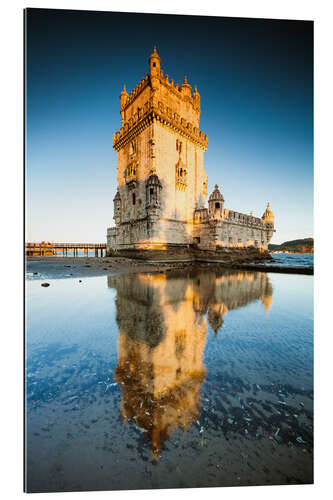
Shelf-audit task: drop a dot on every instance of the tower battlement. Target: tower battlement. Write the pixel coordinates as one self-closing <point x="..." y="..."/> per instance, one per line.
<point x="157" y="97"/>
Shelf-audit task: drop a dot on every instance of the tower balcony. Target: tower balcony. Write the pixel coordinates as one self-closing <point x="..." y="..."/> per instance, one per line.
<point x="131" y="173"/>
<point x="131" y="179"/>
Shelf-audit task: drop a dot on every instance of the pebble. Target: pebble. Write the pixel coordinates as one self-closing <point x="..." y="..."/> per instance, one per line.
<point x="45" y="284"/>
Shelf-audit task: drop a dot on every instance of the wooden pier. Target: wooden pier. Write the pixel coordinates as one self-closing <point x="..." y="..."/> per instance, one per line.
<point x="48" y="249"/>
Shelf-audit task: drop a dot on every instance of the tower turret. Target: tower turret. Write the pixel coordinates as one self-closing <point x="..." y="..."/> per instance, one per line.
<point x="268" y="215"/>
<point x="268" y="220"/>
<point x="196" y="99"/>
<point x="154" y="187"/>
<point x="186" y="88"/>
<point x="117" y="208"/>
<point x="216" y="203"/>
<point x="123" y="100"/>
<point x="154" y="68"/>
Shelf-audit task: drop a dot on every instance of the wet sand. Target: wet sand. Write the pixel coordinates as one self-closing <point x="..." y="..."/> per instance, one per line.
<point x="80" y="267"/>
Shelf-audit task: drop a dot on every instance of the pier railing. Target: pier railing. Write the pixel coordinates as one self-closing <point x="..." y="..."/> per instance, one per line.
<point x="44" y="248"/>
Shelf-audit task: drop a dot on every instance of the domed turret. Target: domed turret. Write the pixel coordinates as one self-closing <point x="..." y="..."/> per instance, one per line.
<point x="153" y="180"/>
<point x="216" y="203"/>
<point x="153" y="187"/>
<point x="268" y="215"/>
<point x="196" y="99"/>
<point x="186" y="88"/>
<point x="123" y="97"/>
<point x="216" y="195"/>
<point x="123" y="100"/>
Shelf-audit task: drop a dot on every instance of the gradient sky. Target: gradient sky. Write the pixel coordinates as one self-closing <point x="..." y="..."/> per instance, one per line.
<point x="255" y="78"/>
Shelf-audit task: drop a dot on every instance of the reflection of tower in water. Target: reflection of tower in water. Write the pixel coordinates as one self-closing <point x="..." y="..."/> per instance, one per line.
<point x="162" y="334"/>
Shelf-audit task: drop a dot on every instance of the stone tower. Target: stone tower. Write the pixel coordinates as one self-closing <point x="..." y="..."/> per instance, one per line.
<point x="160" y="163"/>
<point x="162" y="186"/>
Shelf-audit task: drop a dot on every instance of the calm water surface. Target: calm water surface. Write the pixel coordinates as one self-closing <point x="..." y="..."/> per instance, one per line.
<point x="292" y="259"/>
<point x="169" y="380"/>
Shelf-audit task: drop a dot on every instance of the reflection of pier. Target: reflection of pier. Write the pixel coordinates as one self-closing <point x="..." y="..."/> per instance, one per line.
<point x="163" y="322"/>
<point x="46" y="248"/>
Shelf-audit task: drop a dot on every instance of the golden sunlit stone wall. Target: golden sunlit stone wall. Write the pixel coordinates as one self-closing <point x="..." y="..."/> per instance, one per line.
<point x="179" y="204"/>
<point x="162" y="185"/>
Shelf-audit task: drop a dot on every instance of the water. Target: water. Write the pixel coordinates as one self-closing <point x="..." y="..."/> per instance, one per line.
<point x="292" y="259"/>
<point x="169" y="380"/>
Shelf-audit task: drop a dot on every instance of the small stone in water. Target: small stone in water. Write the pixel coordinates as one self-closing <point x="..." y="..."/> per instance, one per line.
<point x="45" y="284"/>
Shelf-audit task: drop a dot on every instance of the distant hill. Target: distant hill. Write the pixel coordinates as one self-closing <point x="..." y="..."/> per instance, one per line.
<point x="297" y="246"/>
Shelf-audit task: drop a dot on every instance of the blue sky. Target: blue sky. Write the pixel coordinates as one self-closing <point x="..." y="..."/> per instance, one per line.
<point x="255" y="78"/>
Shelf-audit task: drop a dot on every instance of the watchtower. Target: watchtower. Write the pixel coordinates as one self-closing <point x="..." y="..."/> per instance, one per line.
<point x="159" y="136"/>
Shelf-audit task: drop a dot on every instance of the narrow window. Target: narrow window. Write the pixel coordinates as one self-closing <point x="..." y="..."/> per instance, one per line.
<point x="133" y="198"/>
<point x="154" y="64"/>
<point x="217" y="205"/>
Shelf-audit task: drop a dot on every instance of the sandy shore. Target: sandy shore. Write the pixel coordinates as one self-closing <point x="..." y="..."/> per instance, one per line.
<point x="79" y="267"/>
